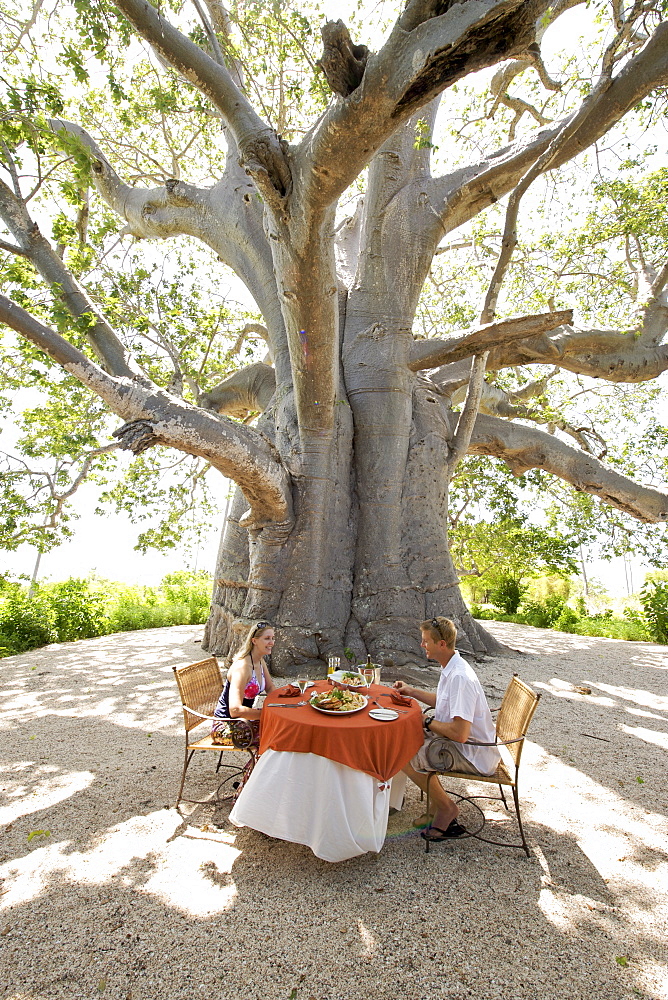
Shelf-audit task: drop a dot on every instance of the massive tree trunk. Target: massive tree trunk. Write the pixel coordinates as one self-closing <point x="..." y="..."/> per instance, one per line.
<point x="338" y="529"/>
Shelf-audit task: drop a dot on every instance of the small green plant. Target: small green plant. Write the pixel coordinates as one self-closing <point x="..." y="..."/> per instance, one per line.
<point x="25" y="624"/>
<point x="508" y="595"/>
<point x="77" y="612"/>
<point x="654" y="601"/>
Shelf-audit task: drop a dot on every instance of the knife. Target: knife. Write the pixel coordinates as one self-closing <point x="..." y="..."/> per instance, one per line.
<point x="273" y="704"/>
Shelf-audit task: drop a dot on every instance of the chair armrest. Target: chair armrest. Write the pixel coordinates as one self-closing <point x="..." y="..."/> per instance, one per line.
<point x="497" y="743"/>
<point x="206" y="718"/>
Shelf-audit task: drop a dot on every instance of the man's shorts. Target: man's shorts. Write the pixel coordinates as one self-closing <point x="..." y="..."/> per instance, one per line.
<point x="441" y="754"/>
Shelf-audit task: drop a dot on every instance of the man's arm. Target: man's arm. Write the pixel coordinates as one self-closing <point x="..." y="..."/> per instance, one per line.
<point x="426" y="697"/>
<point x="458" y="730"/>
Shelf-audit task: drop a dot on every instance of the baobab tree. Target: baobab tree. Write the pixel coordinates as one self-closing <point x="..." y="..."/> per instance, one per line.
<point x="338" y="530"/>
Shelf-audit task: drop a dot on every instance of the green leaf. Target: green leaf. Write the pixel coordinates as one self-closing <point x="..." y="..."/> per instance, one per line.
<point x="38" y="833"/>
<point x="622" y="960"/>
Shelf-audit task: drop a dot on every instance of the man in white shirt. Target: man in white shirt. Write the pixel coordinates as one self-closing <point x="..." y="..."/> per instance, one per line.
<point x="462" y="714"/>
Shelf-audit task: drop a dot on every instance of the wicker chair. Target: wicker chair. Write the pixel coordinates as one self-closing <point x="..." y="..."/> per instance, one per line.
<point x="512" y="722"/>
<point x="200" y="685"/>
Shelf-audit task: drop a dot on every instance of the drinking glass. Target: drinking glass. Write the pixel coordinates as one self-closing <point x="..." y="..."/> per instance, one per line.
<point x="301" y="683"/>
<point x="369" y="674"/>
<point x="333" y="664"/>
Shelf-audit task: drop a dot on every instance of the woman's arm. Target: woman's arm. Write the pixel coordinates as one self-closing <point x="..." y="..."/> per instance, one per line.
<point x="238" y="676"/>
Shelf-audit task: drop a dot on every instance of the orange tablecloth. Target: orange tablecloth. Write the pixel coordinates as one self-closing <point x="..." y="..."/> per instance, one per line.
<point x="378" y="748"/>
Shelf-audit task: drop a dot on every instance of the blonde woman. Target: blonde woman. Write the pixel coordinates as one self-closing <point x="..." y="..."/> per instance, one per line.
<point x="247" y="677"/>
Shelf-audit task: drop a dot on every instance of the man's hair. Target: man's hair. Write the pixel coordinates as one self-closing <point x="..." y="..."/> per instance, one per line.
<point x="440" y="628"/>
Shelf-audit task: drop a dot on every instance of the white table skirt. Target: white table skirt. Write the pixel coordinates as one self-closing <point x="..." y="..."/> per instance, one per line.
<point x="336" y="811"/>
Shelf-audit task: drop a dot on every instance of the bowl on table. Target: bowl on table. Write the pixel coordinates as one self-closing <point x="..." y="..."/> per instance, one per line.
<point x="348" y="680"/>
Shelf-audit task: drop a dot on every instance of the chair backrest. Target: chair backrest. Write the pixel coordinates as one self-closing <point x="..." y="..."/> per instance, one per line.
<point x="200" y="685"/>
<point x="516" y="712"/>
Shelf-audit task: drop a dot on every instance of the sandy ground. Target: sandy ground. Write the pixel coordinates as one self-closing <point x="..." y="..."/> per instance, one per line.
<point x="107" y="891"/>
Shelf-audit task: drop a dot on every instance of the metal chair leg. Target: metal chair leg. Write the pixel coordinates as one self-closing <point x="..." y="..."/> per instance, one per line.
<point x="186" y="762"/>
<point x="519" y="820"/>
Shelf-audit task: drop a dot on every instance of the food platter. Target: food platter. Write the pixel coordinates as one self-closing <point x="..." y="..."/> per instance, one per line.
<point x="360" y="701"/>
<point x="338" y="678"/>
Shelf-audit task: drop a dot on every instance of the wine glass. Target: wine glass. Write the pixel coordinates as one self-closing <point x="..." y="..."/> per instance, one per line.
<point x="302" y="684"/>
<point x="368" y="673"/>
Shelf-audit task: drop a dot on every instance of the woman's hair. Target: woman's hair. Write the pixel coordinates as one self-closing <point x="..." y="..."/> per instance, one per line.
<point x="247" y="645"/>
<point x="440" y="628"/>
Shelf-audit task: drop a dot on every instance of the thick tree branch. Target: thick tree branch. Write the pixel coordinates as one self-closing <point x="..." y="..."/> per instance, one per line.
<point x="46" y="261"/>
<point x="246" y="391"/>
<point x="342" y="62"/>
<point x="227" y="217"/>
<point x="523" y="448"/>
<point x="459" y="196"/>
<point x="414" y="66"/>
<point x="261" y="150"/>
<point x="237" y="451"/>
<point x="510" y="405"/>
<point x="607" y="354"/>
<point x="654" y="311"/>
<point x="467" y="418"/>
<point x="156" y="213"/>
<point x="433" y="353"/>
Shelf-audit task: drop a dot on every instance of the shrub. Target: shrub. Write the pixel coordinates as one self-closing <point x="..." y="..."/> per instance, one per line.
<point x="566" y="620"/>
<point x="25" y="623"/>
<point x="544" y="614"/>
<point x="77" y="613"/>
<point x="189" y="589"/>
<point x="508" y="595"/>
<point x="654" y="600"/>
<point x="80" y="609"/>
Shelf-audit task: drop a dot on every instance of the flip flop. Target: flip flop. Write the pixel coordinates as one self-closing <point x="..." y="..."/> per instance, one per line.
<point x="455" y="829"/>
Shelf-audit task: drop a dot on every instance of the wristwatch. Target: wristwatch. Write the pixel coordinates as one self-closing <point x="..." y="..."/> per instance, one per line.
<point x="428" y="723"/>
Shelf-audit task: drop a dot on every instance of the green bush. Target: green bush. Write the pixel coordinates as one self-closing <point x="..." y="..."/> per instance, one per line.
<point x="544" y="614"/>
<point x="654" y="600"/>
<point x="612" y="628"/>
<point x="553" y="613"/>
<point x="191" y="589"/>
<point x="81" y="609"/>
<point x="77" y="612"/>
<point x="25" y="624"/>
<point x="508" y="595"/>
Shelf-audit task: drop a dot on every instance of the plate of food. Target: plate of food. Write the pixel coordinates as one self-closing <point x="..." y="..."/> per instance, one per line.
<point x="347" y="679"/>
<point x="338" y="702"/>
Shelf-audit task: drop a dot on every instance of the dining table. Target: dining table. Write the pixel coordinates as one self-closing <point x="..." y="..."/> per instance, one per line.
<point x="326" y="780"/>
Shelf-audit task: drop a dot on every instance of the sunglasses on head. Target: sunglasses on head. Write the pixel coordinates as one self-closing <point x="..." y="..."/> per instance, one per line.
<point x="262" y="625"/>
<point x="437" y="625"/>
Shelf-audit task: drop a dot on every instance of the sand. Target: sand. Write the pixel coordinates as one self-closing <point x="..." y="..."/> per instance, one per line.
<point x="108" y="892"/>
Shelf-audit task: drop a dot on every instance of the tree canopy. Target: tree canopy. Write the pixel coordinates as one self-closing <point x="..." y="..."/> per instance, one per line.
<point x="450" y="236"/>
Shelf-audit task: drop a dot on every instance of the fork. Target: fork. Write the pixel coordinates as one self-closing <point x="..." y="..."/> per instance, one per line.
<point x="296" y="704"/>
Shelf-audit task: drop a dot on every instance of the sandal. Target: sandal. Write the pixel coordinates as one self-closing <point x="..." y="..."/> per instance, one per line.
<point x="455" y="829"/>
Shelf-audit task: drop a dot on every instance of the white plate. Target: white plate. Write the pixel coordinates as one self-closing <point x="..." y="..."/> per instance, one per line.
<point x="383" y="714"/>
<point x="348" y="711"/>
<point x="338" y="677"/>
